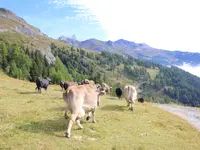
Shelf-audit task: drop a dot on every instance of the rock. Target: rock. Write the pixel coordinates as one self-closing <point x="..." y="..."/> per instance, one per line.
<point x="49" y="56"/>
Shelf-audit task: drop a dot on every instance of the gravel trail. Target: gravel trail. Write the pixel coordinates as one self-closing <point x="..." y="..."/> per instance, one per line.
<point x="192" y="115"/>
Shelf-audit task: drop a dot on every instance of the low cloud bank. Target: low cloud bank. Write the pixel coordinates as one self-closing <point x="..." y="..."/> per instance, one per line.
<point x="195" y="70"/>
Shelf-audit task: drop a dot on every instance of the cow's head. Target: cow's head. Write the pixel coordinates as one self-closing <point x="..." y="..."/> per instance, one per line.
<point x="48" y="79"/>
<point x="100" y="92"/>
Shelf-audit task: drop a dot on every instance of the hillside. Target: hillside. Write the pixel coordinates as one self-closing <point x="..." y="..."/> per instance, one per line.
<point x="36" y="121"/>
<point x="63" y="62"/>
<point x="137" y="50"/>
<point x="16" y="30"/>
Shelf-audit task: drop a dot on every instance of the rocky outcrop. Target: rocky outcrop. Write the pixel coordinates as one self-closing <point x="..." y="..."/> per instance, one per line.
<point x="26" y="30"/>
<point x="18" y="24"/>
<point x="49" y="56"/>
<point x="5" y="13"/>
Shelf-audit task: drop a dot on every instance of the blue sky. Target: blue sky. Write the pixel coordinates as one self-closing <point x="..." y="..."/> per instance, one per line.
<point x="164" y="24"/>
<point x="55" y="21"/>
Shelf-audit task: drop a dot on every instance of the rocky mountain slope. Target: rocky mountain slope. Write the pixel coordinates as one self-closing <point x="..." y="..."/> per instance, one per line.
<point x="16" y="30"/>
<point x="21" y="46"/>
<point x="137" y="50"/>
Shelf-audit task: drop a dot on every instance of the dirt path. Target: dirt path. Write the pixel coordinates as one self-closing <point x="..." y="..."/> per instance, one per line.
<point x="192" y="115"/>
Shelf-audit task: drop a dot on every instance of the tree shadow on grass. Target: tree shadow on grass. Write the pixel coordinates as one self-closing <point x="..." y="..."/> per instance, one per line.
<point x="114" y="107"/>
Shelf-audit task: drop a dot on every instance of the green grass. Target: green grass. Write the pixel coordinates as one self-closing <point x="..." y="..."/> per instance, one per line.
<point x="153" y="72"/>
<point x="36" y="121"/>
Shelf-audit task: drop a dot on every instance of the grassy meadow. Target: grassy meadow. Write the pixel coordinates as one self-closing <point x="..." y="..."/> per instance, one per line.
<point x="30" y="121"/>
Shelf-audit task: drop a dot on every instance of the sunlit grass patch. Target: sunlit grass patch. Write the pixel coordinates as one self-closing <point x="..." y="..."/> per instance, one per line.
<point x="29" y="120"/>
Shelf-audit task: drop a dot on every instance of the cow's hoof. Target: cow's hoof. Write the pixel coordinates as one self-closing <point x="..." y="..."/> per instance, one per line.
<point x="88" y="118"/>
<point x="131" y="109"/>
<point x="94" y="121"/>
<point x="67" y="135"/>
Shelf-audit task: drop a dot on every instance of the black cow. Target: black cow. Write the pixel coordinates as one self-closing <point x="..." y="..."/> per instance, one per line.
<point x="118" y="92"/>
<point x="42" y="83"/>
<point x="62" y="84"/>
<point x="141" y="100"/>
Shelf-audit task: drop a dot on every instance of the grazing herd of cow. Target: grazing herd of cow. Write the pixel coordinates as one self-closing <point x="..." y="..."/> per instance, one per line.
<point x="84" y="98"/>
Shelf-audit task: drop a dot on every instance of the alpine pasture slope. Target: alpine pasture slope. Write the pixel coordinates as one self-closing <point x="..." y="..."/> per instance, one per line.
<point x="29" y="120"/>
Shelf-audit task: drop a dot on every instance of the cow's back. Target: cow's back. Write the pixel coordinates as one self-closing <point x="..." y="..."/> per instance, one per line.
<point x="130" y="92"/>
<point x="81" y="96"/>
<point x="74" y="100"/>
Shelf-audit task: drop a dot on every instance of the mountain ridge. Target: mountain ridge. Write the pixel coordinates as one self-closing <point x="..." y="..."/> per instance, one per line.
<point x="137" y="50"/>
<point x="159" y="83"/>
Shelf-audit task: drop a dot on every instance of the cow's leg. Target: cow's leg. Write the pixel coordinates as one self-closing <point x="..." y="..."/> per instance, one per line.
<point x="128" y="103"/>
<point x="45" y="89"/>
<point x="93" y="116"/>
<point x="132" y="105"/>
<point x="66" y="110"/>
<point x="80" y="115"/>
<point x="69" y="126"/>
<point x="65" y="115"/>
<point x="79" y="123"/>
<point x="39" y="90"/>
<point x="88" y="117"/>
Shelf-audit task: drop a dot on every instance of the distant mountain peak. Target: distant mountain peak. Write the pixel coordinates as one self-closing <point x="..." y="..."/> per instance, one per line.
<point x="122" y="40"/>
<point x="4" y="10"/>
<point x="138" y="50"/>
<point x="62" y="37"/>
<point x="74" y="37"/>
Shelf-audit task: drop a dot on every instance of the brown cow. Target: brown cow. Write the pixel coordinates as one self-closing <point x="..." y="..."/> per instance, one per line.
<point x="81" y="99"/>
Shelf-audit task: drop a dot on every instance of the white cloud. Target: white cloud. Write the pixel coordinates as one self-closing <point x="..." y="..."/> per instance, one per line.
<point x="192" y="69"/>
<point x="166" y="24"/>
<point x="58" y="3"/>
